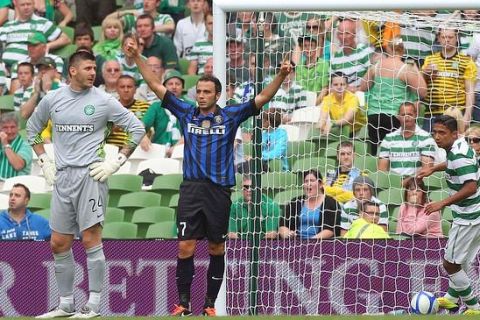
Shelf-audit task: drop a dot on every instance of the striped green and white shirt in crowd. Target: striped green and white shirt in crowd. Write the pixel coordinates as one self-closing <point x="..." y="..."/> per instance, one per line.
<point x="201" y="51"/>
<point x="350" y="213"/>
<point x="3" y="79"/>
<point x="15" y="34"/>
<point x="58" y="61"/>
<point x="18" y="96"/>
<point x="405" y="154"/>
<point x="131" y="70"/>
<point x="244" y="92"/>
<point x="354" y="65"/>
<point x="417" y="41"/>
<point x="462" y="167"/>
<point x="24" y="150"/>
<point x="159" y="20"/>
<point x="289" y="98"/>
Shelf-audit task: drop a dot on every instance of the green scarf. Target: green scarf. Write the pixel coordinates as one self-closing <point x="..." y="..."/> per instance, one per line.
<point x="108" y="48"/>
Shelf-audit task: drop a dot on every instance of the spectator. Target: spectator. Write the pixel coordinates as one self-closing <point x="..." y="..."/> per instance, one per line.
<point x="202" y="49"/>
<point x="164" y="24"/>
<point x="313" y="215"/>
<point x="25" y="74"/>
<point x="93" y="12"/>
<point x="390" y="83"/>
<point x="340" y="109"/>
<point x="236" y="64"/>
<point x="409" y="148"/>
<point x="144" y="92"/>
<point x="451" y="79"/>
<point x="154" y="44"/>
<point x="338" y="184"/>
<point x="242" y="221"/>
<point x="366" y="226"/>
<point x="16" y="158"/>
<point x="46" y="80"/>
<point x="37" y="50"/>
<point x="127" y="64"/>
<point x="468" y="32"/>
<point x="472" y="135"/>
<point x="455" y="113"/>
<point x="351" y="58"/>
<point x="207" y="70"/>
<point x="126" y="92"/>
<point x="4" y="6"/>
<point x="110" y="39"/>
<point x="46" y="9"/>
<point x="316" y="28"/>
<point x="312" y="73"/>
<point x="291" y="96"/>
<point x="165" y="126"/>
<point x="15" y="33"/>
<point x="111" y="71"/>
<point x="18" y="222"/>
<point x="363" y="190"/>
<point x="274" y="139"/>
<point x="190" y="29"/>
<point x="412" y="219"/>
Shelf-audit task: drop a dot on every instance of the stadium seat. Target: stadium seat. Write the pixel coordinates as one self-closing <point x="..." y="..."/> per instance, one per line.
<point x="97" y="32"/>
<point x="183" y="66"/>
<point x="144" y="217"/>
<point x="4" y="201"/>
<point x="44" y="213"/>
<point x="320" y="164"/>
<point x="177" y="152"/>
<point x="65" y="52"/>
<point x="174" y="201"/>
<point x="136" y="200"/>
<point x="120" y="184"/>
<point x="162" y="230"/>
<point x="34" y="183"/>
<point x="366" y="163"/>
<point x="278" y="180"/>
<point x="69" y="31"/>
<point x="385" y="180"/>
<point x="161" y="166"/>
<point x="6" y="103"/>
<point x="114" y="215"/>
<point x="167" y="185"/>
<point x="391" y="197"/>
<point x="284" y="197"/>
<point x="446" y="225"/>
<point x="119" y="230"/>
<point x="39" y="201"/>
<point x="310" y="115"/>
<point x="190" y="81"/>
<point x="435" y="181"/>
<point x="447" y="214"/>
<point x="300" y="150"/>
<point x="437" y="195"/>
<point x="393" y="219"/>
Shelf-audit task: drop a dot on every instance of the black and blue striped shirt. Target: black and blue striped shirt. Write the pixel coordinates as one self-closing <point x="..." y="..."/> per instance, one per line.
<point x="209" y="139"/>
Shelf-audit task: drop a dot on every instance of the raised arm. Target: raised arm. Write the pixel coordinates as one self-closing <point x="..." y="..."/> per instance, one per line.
<point x="130" y="49"/>
<point x="269" y="91"/>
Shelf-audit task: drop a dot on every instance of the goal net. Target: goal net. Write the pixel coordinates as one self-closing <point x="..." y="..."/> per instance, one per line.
<point x="336" y="114"/>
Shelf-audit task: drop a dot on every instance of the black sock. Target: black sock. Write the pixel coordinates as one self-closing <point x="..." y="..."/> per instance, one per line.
<point x="214" y="279"/>
<point x="185" y="273"/>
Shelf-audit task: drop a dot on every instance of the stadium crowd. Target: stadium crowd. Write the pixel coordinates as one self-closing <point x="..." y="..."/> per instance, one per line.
<point x="360" y="83"/>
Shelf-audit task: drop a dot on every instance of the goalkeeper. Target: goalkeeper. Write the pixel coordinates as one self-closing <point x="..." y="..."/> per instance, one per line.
<point x="81" y="115"/>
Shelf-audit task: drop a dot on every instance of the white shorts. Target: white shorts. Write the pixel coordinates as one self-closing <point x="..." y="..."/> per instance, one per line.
<point x="78" y="201"/>
<point x="463" y="243"/>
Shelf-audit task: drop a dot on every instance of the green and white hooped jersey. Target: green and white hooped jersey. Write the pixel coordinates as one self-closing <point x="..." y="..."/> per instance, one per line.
<point x="201" y="51"/>
<point x="354" y="65"/>
<point x="15" y="34"/>
<point x="462" y="166"/>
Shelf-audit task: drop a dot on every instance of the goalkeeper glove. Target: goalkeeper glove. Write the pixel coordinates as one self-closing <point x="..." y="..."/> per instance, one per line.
<point x="48" y="168"/>
<point x="100" y="171"/>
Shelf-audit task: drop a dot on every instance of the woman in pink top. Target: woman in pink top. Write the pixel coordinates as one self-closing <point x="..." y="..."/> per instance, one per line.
<point x="412" y="219"/>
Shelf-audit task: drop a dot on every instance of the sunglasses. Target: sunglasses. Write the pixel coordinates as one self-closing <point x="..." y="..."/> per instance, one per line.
<point x="247" y="187"/>
<point x="473" y="140"/>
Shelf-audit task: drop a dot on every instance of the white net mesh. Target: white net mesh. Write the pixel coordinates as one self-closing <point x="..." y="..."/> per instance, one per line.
<point x="353" y="72"/>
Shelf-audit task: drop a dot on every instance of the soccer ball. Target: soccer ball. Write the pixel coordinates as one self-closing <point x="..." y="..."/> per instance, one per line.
<point x="424" y="302"/>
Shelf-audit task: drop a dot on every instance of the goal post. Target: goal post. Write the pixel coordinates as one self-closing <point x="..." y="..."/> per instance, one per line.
<point x="292" y="276"/>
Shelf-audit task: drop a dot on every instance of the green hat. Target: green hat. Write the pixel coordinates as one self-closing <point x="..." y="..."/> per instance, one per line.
<point x="173" y="74"/>
<point x="36" y="38"/>
<point x="46" y="61"/>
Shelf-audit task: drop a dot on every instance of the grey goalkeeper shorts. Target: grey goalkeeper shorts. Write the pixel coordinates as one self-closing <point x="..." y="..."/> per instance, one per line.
<point x="78" y="201"/>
